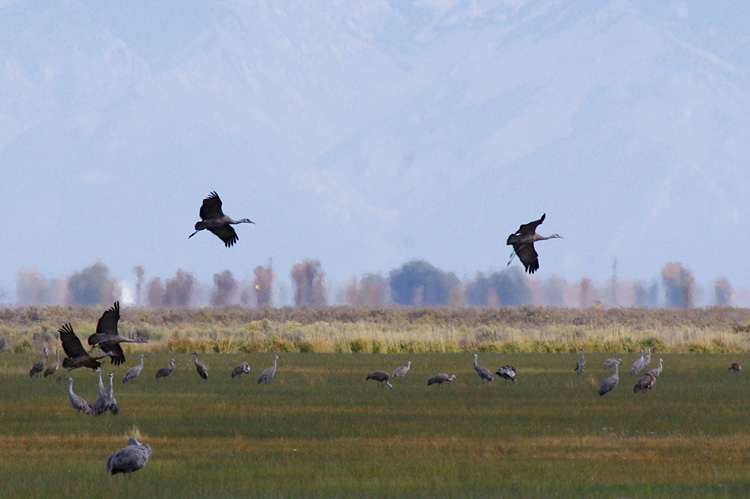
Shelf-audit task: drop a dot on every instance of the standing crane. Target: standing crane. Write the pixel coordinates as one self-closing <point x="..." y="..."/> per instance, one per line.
<point x="240" y="369"/>
<point x="38" y="366"/>
<point x="646" y="382"/>
<point x="166" y="370"/>
<point x="213" y="219"/>
<point x="52" y="368"/>
<point x="656" y="371"/>
<point x="106" y="401"/>
<point x="507" y="372"/>
<point x="483" y="372"/>
<point x="610" y="362"/>
<point x="638" y="365"/>
<point x="523" y="244"/>
<point x="134" y="371"/>
<point x="610" y="383"/>
<point x="78" y="403"/>
<point x="440" y="379"/>
<point x="735" y="366"/>
<point x="268" y="372"/>
<point x="581" y="363"/>
<point x="381" y="377"/>
<point x="107" y="337"/>
<point x="401" y="370"/>
<point x="77" y="355"/>
<point x="647" y="359"/>
<point x="200" y="367"/>
<point x="130" y="458"/>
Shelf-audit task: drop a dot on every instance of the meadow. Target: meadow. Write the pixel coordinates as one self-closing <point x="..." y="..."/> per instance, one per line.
<point x="320" y="430"/>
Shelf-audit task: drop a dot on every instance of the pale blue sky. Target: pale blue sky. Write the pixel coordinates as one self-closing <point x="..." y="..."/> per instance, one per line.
<point x="369" y="133"/>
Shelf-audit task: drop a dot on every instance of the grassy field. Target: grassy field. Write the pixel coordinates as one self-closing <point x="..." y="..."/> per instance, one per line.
<point x="320" y="429"/>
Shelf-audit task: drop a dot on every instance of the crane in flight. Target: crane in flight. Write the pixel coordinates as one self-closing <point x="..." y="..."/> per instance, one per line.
<point x="523" y="244"/>
<point x="213" y="219"/>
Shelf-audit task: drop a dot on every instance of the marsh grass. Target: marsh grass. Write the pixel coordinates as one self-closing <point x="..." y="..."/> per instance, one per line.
<point x="320" y="430"/>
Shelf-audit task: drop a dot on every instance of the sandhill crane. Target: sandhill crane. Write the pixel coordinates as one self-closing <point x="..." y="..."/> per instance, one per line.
<point x="507" y="372"/>
<point x="38" y="366"/>
<point x="240" y="369"/>
<point x="483" y="372"/>
<point x="523" y="244"/>
<point x="77" y="356"/>
<point x="638" y="365"/>
<point x="213" y="219"/>
<point x="381" y="377"/>
<point x="107" y="337"/>
<point x="610" y="362"/>
<point x="581" y="363"/>
<point x="440" y="379"/>
<point x="736" y="367"/>
<point x="401" y="370"/>
<point x="134" y="371"/>
<point x="656" y="371"/>
<point x="130" y="458"/>
<point x="610" y="383"/>
<point x="268" y="372"/>
<point x="647" y="359"/>
<point x="52" y="368"/>
<point x="78" y="403"/>
<point x="200" y="367"/>
<point x="166" y="370"/>
<point x="106" y="400"/>
<point x="646" y="382"/>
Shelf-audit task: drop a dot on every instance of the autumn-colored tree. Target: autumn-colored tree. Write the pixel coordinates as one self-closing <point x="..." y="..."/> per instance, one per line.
<point x="92" y="286"/>
<point x="263" y="285"/>
<point x="155" y="293"/>
<point x="369" y="291"/>
<point x="679" y="285"/>
<point x="179" y="289"/>
<point x="723" y="292"/>
<point x="139" y="272"/>
<point x="584" y="292"/>
<point x="225" y="287"/>
<point x="31" y="288"/>
<point x="309" y="284"/>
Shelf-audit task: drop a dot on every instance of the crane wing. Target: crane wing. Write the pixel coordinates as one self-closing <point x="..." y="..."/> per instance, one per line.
<point x="530" y="228"/>
<point x="528" y="256"/>
<point x="115" y="352"/>
<point x="211" y="207"/>
<point x="70" y="342"/>
<point x="226" y="233"/>
<point x="107" y="325"/>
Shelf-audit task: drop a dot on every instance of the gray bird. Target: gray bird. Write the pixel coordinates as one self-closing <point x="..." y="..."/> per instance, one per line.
<point x="134" y="371"/>
<point x="483" y="372"/>
<point x="507" y="372"/>
<point x="268" y="372"/>
<point x="106" y="402"/>
<point x="656" y="371"/>
<point x="610" y="383"/>
<point x="213" y="219"/>
<point x="108" y="339"/>
<point x="638" y="365"/>
<point x="440" y="379"/>
<point x="52" y="368"/>
<point x="78" y="403"/>
<point x="38" y="366"/>
<point x="130" y="458"/>
<point x="401" y="370"/>
<point x="77" y="355"/>
<point x="610" y="363"/>
<point x="523" y="244"/>
<point x="381" y="377"/>
<point x="166" y="370"/>
<point x="647" y="360"/>
<point x="240" y="369"/>
<point x="581" y="363"/>
<point x="200" y="367"/>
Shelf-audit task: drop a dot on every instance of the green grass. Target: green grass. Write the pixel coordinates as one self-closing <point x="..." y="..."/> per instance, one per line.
<point x="319" y="429"/>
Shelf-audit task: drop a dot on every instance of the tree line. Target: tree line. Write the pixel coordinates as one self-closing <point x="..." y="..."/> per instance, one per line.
<point x="415" y="283"/>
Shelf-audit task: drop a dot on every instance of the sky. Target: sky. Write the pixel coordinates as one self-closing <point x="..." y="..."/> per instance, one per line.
<point x="369" y="133"/>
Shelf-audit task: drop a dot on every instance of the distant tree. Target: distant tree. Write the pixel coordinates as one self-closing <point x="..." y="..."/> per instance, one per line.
<point x="504" y="288"/>
<point x="679" y="285"/>
<point x="723" y="292"/>
<point x="92" y="286"/>
<point x="309" y="284"/>
<point x="419" y="283"/>
<point x="139" y="272"/>
<point x="179" y="289"/>
<point x="263" y="285"/>
<point x="369" y="291"/>
<point x="646" y="295"/>
<point x="31" y="288"/>
<point x="155" y="293"/>
<point x="225" y="287"/>
<point x="584" y="292"/>
<point x="554" y="291"/>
